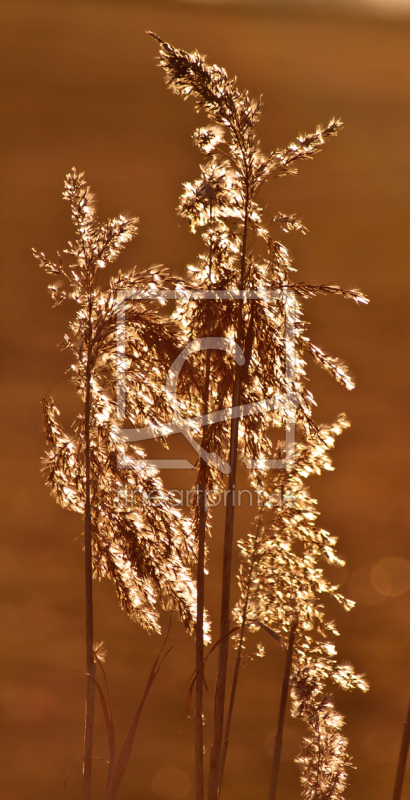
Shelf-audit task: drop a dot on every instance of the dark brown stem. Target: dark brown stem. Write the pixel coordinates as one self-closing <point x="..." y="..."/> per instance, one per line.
<point x="200" y="579"/>
<point x="401" y="766"/>
<point x="199" y="729"/>
<point x="90" y="661"/>
<point x="238" y="661"/>
<point x="230" y="710"/>
<point x="216" y="748"/>
<point x="281" y="718"/>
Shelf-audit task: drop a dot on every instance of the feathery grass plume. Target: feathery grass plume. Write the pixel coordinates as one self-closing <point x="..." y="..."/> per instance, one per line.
<point x="145" y="549"/>
<point x="281" y="582"/>
<point x="252" y="319"/>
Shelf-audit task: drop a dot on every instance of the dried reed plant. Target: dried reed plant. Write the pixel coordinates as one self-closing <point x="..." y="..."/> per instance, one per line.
<point x="240" y="320"/>
<point x="281" y="582"/>
<point x="262" y="376"/>
<point x="146" y="550"/>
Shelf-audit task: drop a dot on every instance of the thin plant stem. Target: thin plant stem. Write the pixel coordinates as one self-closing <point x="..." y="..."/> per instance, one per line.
<point x="216" y="748"/>
<point x="200" y="581"/>
<point x="401" y="765"/>
<point x="89" y="617"/>
<point x="282" y="708"/>
<point x="199" y="732"/>
<point x="230" y="710"/>
<point x="126" y="751"/>
<point x="238" y="662"/>
<point x="200" y="577"/>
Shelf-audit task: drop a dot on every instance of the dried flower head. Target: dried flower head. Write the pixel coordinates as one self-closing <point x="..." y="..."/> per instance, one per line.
<point x="281" y="580"/>
<point x="147" y="549"/>
<point x="223" y="202"/>
<point x="256" y="309"/>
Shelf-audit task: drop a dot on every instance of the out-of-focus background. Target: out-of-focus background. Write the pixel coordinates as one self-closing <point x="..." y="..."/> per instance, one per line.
<point x="80" y="87"/>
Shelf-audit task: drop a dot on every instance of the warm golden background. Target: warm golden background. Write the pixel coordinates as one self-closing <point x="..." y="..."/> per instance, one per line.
<point x="80" y="87"/>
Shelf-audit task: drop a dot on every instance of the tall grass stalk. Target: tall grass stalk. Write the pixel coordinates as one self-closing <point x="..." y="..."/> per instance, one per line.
<point x="247" y="342"/>
<point x="146" y="550"/>
<point x="88" y="570"/>
<point x="202" y="485"/>
<point x="223" y="203"/>
<point x="216" y="748"/>
<point x="287" y="584"/>
<point x="200" y="578"/>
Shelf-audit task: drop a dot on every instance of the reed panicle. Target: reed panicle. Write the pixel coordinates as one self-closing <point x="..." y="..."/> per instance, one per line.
<point x="239" y="324"/>
<point x="254" y="313"/>
<point x="281" y="582"/>
<point x="146" y="550"/>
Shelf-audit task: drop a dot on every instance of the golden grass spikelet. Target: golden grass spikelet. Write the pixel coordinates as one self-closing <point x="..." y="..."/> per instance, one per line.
<point x="147" y="550"/>
<point x="261" y="312"/>
<point x="223" y="202"/>
<point x="281" y="580"/>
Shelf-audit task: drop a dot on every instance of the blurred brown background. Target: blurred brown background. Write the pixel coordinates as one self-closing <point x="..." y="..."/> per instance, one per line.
<point x="80" y="87"/>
